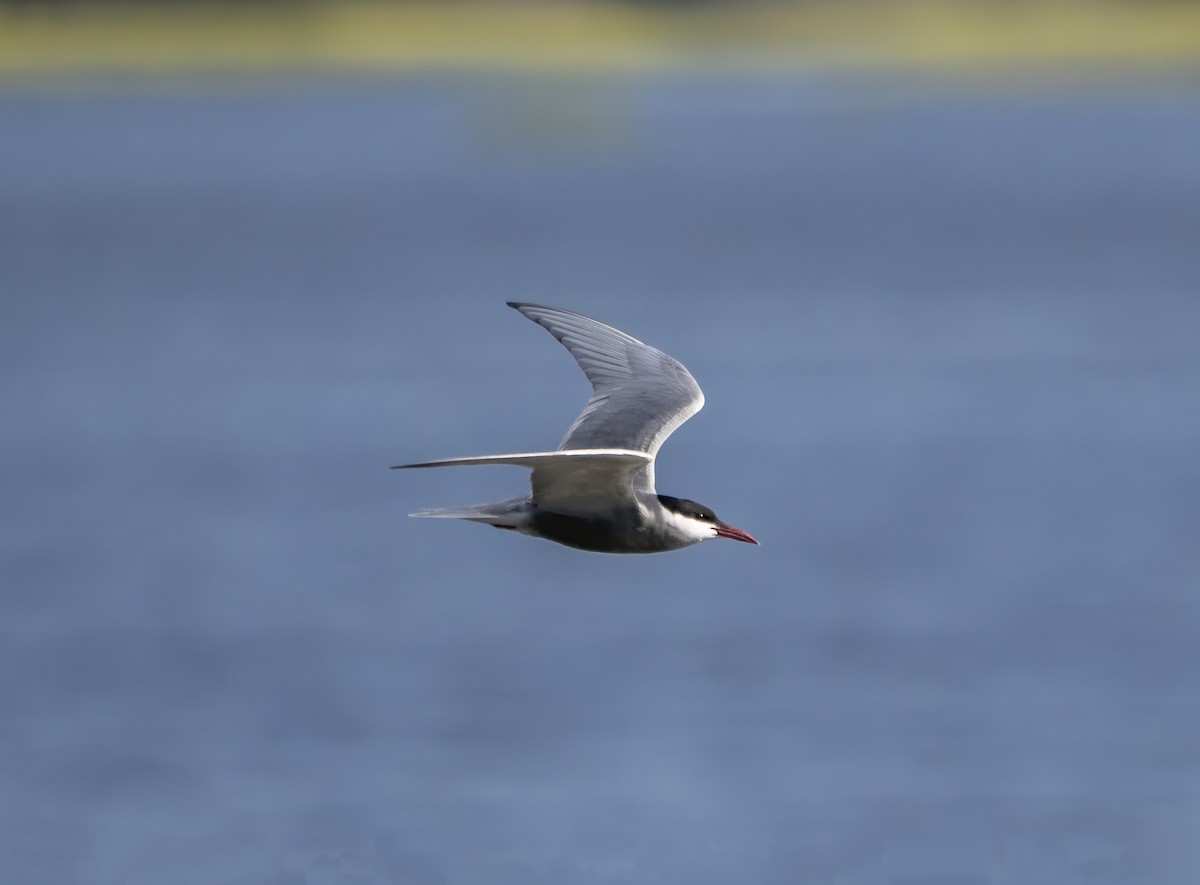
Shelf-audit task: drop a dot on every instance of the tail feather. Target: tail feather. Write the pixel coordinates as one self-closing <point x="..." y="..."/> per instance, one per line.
<point x="507" y="514"/>
<point x="482" y="512"/>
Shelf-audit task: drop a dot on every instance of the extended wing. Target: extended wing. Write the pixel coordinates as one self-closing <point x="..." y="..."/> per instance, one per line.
<point x="584" y="480"/>
<point x="639" y="394"/>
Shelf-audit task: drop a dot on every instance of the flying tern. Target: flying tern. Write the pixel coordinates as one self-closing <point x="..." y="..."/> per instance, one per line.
<point x="596" y="492"/>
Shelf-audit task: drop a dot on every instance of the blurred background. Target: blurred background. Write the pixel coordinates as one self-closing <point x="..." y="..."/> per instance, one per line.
<point x="935" y="265"/>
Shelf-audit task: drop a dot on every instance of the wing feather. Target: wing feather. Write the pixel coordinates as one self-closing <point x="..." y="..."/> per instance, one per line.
<point x="640" y="395"/>
<point x="585" y="480"/>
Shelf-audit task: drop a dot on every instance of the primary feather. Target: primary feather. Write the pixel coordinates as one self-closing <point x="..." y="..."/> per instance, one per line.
<point x="640" y="395"/>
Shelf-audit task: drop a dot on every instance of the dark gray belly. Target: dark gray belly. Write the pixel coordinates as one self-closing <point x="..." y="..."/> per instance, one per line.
<point x="623" y="532"/>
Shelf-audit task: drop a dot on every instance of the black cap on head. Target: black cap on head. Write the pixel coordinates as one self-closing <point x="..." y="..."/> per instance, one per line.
<point x="684" y="507"/>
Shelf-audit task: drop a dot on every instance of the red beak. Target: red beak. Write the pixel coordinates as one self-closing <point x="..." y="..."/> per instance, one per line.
<point x="728" y="531"/>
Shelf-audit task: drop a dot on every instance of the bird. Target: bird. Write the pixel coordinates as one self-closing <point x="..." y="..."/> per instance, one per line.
<point x="596" y="491"/>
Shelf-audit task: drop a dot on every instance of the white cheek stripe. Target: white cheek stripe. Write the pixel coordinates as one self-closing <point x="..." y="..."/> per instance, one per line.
<point x="692" y="528"/>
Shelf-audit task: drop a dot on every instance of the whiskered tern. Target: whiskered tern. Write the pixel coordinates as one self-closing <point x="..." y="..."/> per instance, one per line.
<point x="596" y="492"/>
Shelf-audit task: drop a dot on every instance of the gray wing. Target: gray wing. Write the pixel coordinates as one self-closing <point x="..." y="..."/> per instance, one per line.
<point x="640" y="395"/>
<point x="595" y="480"/>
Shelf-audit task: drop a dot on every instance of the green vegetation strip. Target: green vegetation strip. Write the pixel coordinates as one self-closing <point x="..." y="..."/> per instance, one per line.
<point x="567" y="36"/>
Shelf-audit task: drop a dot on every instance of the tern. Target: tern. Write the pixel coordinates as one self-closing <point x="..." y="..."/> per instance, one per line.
<point x="596" y="492"/>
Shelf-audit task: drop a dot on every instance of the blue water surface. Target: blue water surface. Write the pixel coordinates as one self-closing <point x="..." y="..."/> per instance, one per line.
<point x="949" y="340"/>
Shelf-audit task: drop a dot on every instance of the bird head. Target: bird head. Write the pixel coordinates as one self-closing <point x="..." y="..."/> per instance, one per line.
<point x="700" y="521"/>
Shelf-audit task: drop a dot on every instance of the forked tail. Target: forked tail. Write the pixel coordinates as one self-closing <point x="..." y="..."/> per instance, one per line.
<point x="510" y="514"/>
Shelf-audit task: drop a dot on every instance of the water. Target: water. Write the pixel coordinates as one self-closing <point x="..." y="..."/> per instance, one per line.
<point x="948" y="339"/>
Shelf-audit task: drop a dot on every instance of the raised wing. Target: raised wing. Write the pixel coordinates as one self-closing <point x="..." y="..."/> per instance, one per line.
<point x="587" y="480"/>
<point x="640" y="395"/>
